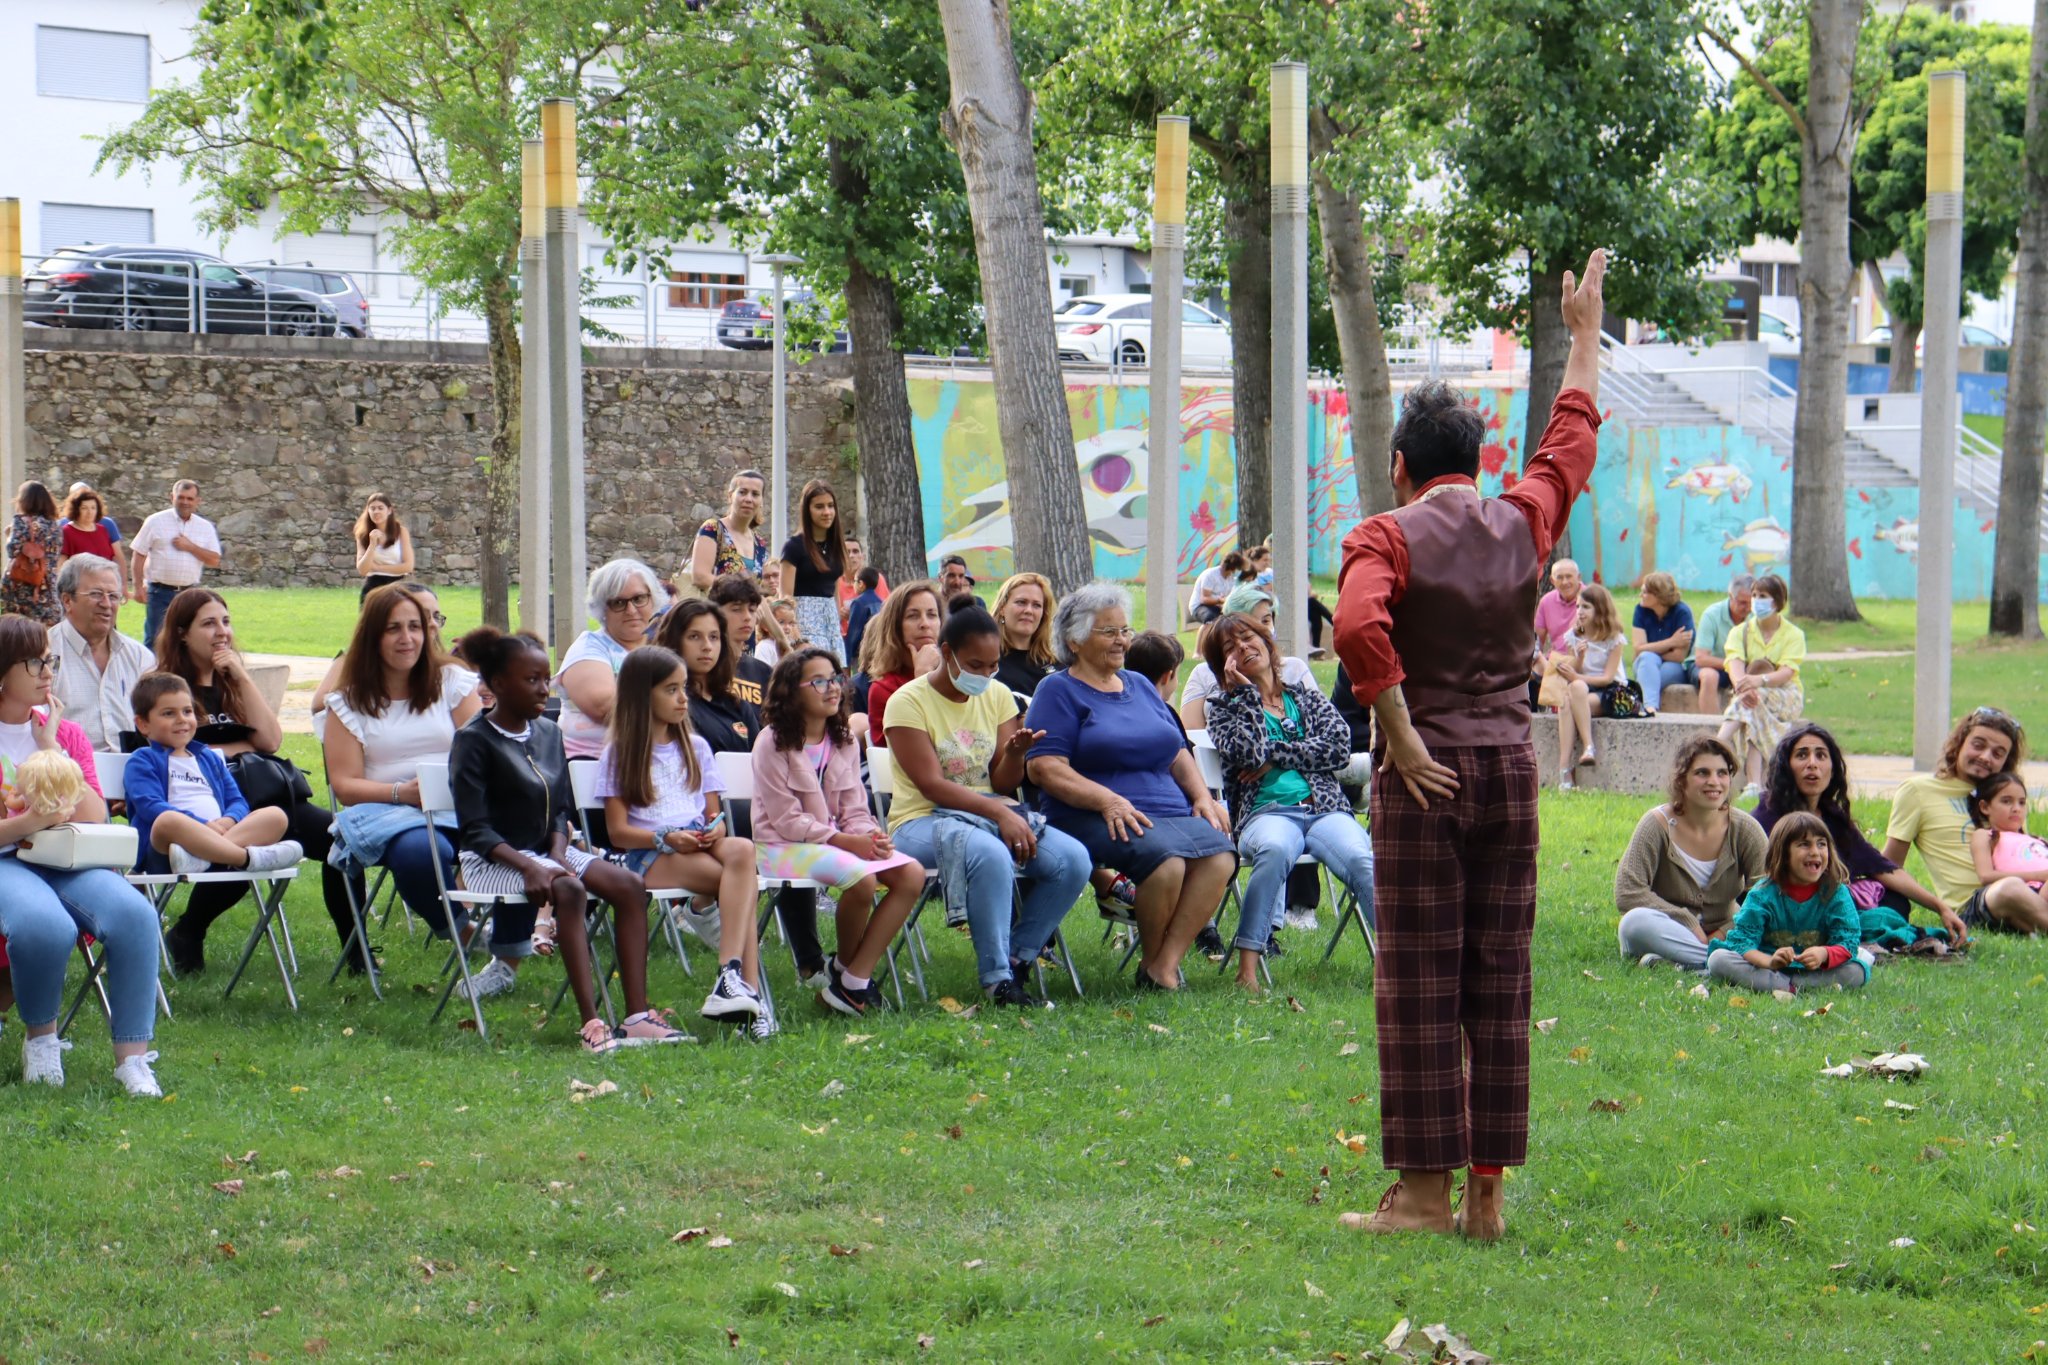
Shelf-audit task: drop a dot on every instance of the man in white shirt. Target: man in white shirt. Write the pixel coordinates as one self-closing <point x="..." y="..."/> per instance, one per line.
<point x="172" y="551"/>
<point x="97" y="666"/>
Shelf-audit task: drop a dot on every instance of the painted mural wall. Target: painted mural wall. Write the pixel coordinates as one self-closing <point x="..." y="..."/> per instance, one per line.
<point x="1702" y="503"/>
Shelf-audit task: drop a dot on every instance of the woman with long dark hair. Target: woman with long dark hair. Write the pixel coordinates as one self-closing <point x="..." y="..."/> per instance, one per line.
<point x="813" y="560"/>
<point x="383" y="545"/>
<point x="1808" y="772"/>
<point x="35" y="542"/>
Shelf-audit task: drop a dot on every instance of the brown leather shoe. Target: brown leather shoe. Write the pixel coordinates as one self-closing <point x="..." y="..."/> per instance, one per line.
<point x="1407" y="1206"/>
<point x="1479" y="1215"/>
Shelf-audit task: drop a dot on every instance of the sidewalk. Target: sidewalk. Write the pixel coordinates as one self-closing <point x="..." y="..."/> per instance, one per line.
<point x="1880" y="774"/>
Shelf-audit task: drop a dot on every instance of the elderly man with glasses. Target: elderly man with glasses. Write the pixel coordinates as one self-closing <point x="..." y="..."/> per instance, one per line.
<point x="98" y="666"/>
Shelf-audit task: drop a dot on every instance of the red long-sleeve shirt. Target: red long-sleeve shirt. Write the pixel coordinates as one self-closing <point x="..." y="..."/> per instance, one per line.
<point x="1375" y="572"/>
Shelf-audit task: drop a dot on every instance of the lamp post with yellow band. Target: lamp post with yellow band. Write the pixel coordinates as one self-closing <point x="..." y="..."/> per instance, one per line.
<point x="1290" y="355"/>
<point x="535" y="478"/>
<point x="564" y="367"/>
<point x="1163" y="426"/>
<point x="13" y="412"/>
<point x="1942" y="272"/>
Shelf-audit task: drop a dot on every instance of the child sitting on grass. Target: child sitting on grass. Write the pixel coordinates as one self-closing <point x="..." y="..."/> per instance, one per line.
<point x="187" y="809"/>
<point x="1798" y="929"/>
<point x="1999" y="842"/>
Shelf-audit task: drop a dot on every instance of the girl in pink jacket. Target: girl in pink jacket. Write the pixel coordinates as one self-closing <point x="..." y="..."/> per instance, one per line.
<point x="811" y="821"/>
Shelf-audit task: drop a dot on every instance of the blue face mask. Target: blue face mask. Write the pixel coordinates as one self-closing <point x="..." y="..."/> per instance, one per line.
<point x="1762" y="608"/>
<point x="970" y="684"/>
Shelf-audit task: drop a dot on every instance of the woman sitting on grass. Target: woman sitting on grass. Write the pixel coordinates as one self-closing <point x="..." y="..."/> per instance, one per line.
<point x="663" y="808"/>
<point x="1689" y="863"/>
<point x="1798" y="930"/>
<point x="511" y="785"/>
<point x="811" y="820"/>
<point x="1589" y="661"/>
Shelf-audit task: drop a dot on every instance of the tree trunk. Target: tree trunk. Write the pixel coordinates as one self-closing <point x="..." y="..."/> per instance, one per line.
<point x="888" y="456"/>
<point x="988" y="121"/>
<point x="1248" y="231"/>
<point x="1820" y="540"/>
<point x="1905" y="342"/>
<point x="2016" y="560"/>
<point x="1368" y="384"/>
<point x="501" y="470"/>
<point x="1550" y="345"/>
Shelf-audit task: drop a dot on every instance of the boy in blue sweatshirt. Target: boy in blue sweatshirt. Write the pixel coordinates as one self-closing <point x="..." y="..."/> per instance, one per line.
<point x="861" y="610"/>
<point x="1798" y="930"/>
<point x="187" y="810"/>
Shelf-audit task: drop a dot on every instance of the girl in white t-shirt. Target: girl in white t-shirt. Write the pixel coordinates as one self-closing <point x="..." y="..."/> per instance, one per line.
<point x="1589" y="661"/>
<point x="663" y="809"/>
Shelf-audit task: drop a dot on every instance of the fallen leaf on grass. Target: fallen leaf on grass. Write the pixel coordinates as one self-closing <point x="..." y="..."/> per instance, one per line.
<point x="593" y="1273"/>
<point x="1816" y="1013"/>
<point x="340" y="1173"/>
<point x="832" y="1089"/>
<point x="819" y="1131"/>
<point x="732" y="1338"/>
<point x="245" y="1159"/>
<point x="1159" y="1028"/>
<point x="976" y="1098"/>
<point x="952" y="1131"/>
<point x="469" y="1024"/>
<point x="925" y="1341"/>
<point x="579" y="1091"/>
<point x="1906" y="1108"/>
<point x="270" y="1312"/>
<point x="1783" y="997"/>
<point x="950" y="1005"/>
<point x="227" y="1250"/>
<point x="1545" y="1025"/>
<point x="1607" y="1107"/>
<point x="689" y="1234"/>
<point x="228" y="1186"/>
<point x="1352" y="1141"/>
<point x="1154" y="1321"/>
<point x="1183" y="1161"/>
<point x="1592" y="975"/>
<point x="1901" y="1243"/>
<point x="976" y="1264"/>
<point x="854" y="1039"/>
<point x="838" y="1250"/>
<point x="718" y="1243"/>
<point x="1296" y="1005"/>
<point x="1738" y="1002"/>
<point x="399" y="1178"/>
<point x="316" y="1346"/>
<point x="1348" y="1050"/>
<point x="1313" y="1292"/>
<point x="1579" y="1054"/>
<point x="1699" y="992"/>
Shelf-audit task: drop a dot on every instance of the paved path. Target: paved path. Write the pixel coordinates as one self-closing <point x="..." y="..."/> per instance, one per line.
<point x="1881" y="774"/>
<point x="1855" y="656"/>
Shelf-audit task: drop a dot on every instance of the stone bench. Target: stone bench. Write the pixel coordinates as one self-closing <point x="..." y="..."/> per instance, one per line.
<point x="1635" y="755"/>
<point x="1681" y="699"/>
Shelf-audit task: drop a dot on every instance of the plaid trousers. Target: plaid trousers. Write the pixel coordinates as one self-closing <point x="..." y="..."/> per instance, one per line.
<point x="1455" y="887"/>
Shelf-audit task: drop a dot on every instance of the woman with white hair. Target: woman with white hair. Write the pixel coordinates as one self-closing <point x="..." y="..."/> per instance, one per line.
<point x="1114" y="771"/>
<point x="623" y="596"/>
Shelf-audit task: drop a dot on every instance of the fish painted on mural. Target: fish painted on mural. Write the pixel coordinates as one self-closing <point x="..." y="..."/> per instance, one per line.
<point x="1762" y="542"/>
<point x="1711" y="481"/>
<point x="1903" y="535"/>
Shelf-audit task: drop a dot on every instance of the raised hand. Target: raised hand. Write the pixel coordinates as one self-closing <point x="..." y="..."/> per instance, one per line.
<point x="1582" y="305"/>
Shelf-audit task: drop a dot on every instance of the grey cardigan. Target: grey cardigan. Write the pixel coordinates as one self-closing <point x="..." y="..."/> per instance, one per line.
<point x="1652" y="875"/>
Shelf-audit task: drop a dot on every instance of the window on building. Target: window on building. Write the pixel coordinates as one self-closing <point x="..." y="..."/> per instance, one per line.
<point x="1073" y="286"/>
<point x="96" y="225"/>
<point x="703" y="289"/>
<point x="87" y="64"/>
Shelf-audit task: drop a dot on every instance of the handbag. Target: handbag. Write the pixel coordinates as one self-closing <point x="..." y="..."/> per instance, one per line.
<point x="31" y="566"/>
<point x="1626" y="702"/>
<point x="269" y="780"/>
<point x="73" y="848"/>
<point x="1553" y="691"/>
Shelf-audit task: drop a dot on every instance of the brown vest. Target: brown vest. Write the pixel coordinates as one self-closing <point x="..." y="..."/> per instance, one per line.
<point x="1465" y="628"/>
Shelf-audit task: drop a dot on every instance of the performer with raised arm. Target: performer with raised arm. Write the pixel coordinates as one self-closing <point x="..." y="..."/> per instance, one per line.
<point x="1434" y="612"/>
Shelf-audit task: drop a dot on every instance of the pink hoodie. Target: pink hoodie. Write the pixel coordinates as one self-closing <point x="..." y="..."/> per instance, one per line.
<point x="792" y="806"/>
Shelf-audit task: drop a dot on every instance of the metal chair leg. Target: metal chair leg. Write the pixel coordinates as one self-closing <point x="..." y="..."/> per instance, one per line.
<point x="359" y="934"/>
<point x="269" y="918"/>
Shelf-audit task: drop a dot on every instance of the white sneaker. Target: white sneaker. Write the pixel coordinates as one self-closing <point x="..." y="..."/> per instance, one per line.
<point x="494" y="979"/>
<point x="1650" y="960"/>
<point x="731" y="995"/>
<point x="185" y="862"/>
<point x="134" y="1073"/>
<point x="764" y="1027"/>
<point x="42" y="1060"/>
<point x="1301" y="918"/>
<point x="280" y="857"/>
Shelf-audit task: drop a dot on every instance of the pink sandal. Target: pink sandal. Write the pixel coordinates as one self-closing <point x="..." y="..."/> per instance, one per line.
<point x="598" y="1037"/>
<point x="544" y="936"/>
<point x="651" y="1026"/>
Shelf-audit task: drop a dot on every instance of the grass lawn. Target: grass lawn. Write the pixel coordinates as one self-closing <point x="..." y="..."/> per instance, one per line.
<point x="1122" y="1178"/>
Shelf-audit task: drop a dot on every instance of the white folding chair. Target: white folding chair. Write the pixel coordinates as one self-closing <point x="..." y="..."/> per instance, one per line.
<point x="267" y="887"/>
<point x="882" y="784"/>
<point x="583" y="792"/>
<point x="437" y="796"/>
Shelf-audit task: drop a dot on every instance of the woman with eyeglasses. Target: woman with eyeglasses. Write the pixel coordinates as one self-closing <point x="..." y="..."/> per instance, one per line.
<point x="1113" y="770"/>
<point x="959" y="743"/>
<point x="623" y="595"/>
<point x="1764" y="655"/>
<point x="811" y="820"/>
<point x="44" y="910"/>
<point x="1282" y="746"/>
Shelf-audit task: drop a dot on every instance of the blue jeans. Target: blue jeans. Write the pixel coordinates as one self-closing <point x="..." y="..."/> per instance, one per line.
<point x="42" y="913"/>
<point x="410" y="857"/>
<point x="160" y="595"/>
<point x="1052" y="879"/>
<point x="1273" y="839"/>
<point x="1654" y="674"/>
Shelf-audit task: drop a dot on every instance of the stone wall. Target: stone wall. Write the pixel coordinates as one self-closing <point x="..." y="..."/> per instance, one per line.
<point x="287" y="437"/>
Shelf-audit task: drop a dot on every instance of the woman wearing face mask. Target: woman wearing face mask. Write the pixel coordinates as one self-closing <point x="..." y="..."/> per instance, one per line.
<point x="1763" y="655"/>
<point x="959" y="743"/>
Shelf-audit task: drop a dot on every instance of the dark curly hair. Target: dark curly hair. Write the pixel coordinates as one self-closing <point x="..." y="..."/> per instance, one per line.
<point x="782" y="708"/>
<point x="1781" y="788"/>
<point x="1438" y="433"/>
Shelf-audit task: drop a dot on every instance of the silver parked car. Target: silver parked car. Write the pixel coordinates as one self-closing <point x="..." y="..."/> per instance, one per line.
<point x="336" y="288"/>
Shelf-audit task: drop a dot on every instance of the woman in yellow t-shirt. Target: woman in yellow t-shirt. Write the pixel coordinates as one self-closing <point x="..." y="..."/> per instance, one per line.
<point x="1764" y="655"/>
<point x="959" y="745"/>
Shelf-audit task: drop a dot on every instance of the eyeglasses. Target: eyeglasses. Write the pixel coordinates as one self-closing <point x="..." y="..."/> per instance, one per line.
<point x="440" y="619"/>
<point x="639" y="601"/>
<point x="45" y="667"/>
<point x="101" y="599"/>
<point x="1114" y="633"/>
<point x="823" y="685"/>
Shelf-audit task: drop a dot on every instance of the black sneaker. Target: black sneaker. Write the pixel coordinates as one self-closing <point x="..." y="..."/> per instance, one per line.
<point x="873" y="995"/>
<point x="731" y="995"/>
<point x="355" y="965"/>
<point x="1010" y="993"/>
<point x="187" y="951"/>
<point x="836" y="994"/>
<point x="1209" y="941"/>
<point x="1145" y="982"/>
<point x="1273" y="948"/>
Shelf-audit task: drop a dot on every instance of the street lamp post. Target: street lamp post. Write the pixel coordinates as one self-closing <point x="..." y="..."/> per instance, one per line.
<point x="535" y="479"/>
<point x="13" y="405"/>
<point x="1943" y="273"/>
<point x="1163" y="426"/>
<point x="565" y="368"/>
<point x="778" y="469"/>
<point x="1290" y="355"/>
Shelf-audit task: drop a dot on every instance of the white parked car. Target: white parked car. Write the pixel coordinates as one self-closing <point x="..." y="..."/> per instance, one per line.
<point x="1973" y="335"/>
<point x="1095" y="329"/>
<point x="1780" y="337"/>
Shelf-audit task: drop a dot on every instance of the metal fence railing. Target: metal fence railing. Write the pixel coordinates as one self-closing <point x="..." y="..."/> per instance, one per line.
<point x="142" y="292"/>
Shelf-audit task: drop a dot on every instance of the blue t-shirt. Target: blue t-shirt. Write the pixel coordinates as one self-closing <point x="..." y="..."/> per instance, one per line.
<point x="1677" y="619"/>
<point x="1125" y="740"/>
